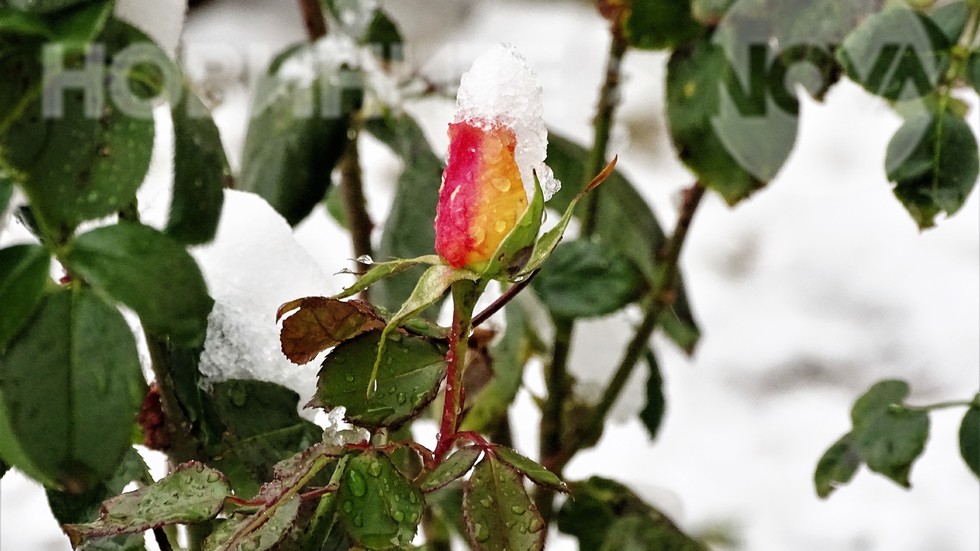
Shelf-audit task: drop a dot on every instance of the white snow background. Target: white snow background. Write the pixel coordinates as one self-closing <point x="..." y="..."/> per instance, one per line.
<point x="806" y="294"/>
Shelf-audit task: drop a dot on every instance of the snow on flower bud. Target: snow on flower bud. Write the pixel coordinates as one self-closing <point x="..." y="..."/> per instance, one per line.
<point x="496" y="145"/>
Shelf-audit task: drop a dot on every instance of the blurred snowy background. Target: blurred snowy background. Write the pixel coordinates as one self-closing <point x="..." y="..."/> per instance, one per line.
<point x="806" y="294"/>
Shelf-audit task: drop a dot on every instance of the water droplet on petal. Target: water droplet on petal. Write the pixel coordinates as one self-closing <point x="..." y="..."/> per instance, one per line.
<point x="479" y="236"/>
<point x="501" y="183"/>
<point x="499" y="226"/>
<point x="375" y="469"/>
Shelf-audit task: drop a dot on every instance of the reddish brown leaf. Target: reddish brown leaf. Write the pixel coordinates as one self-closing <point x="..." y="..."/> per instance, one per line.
<point x="320" y="323"/>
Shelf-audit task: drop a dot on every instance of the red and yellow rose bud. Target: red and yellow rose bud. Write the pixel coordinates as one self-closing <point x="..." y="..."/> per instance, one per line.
<point x="482" y="195"/>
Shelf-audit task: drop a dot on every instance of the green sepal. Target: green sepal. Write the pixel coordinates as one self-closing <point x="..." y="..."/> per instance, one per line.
<point x="377" y="272"/>
<point x="547" y="243"/>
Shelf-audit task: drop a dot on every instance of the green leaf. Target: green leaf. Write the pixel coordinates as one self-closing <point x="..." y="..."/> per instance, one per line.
<point x="150" y="273"/>
<point x="44" y="6"/>
<point x="266" y="525"/>
<point x="450" y="470"/>
<point x="383" y="36"/>
<point x="534" y="472"/>
<point x="379" y="508"/>
<point x="970" y="439"/>
<point x="13" y="454"/>
<point x="653" y="411"/>
<point x="83" y="23"/>
<point x="23" y="276"/>
<point x="973" y="70"/>
<point x="951" y="19"/>
<point x="659" y="24"/>
<point x="15" y="22"/>
<point x="6" y="192"/>
<point x="71" y="388"/>
<point x="625" y="223"/>
<point x="192" y="493"/>
<point x="637" y="533"/>
<point x="297" y="133"/>
<point x="320" y="323"/>
<point x="240" y="533"/>
<point x="584" y="279"/>
<point x="81" y="163"/>
<point x="837" y="466"/>
<point x="78" y="508"/>
<point x="499" y="514"/>
<point x="898" y="53"/>
<point x="606" y="515"/>
<point x="735" y="140"/>
<point x="262" y="426"/>
<point x="509" y="354"/>
<point x="409" y="230"/>
<point x="408" y="378"/>
<point x="430" y="289"/>
<point x="934" y="162"/>
<point x="201" y="172"/>
<point x="383" y="270"/>
<point x="886" y="436"/>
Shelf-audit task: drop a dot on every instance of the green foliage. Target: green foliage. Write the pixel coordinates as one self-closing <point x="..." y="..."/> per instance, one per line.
<point x="408" y="378"/>
<point x="735" y="140"/>
<point x="148" y="272"/>
<point x="886" y="436"/>
<point x="583" y="279"/>
<point x="409" y="230"/>
<point x="261" y="425"/>
<point x="509" y="354"/>
<point x="23" y="276"/>
<point x="606" y="515"/>
<point x="71" y="387"/>
<point x="898" y="53"/>
<point x="653" y="410"/>
<point x="626" y="224"/>
<point x="534" y="472"/>
<point x="379" y="507"/>
<point x="659" y="24"/>
<point x="454" y="467"/>
<point x="297" y="133"/>
<point x="934" y="162"/>
<point x="192" y="493"/>
<point x="200" y="173"/>
<point x="970" y="437"/>
<point x="498" y="513"/>
<point x="837" y="467"/>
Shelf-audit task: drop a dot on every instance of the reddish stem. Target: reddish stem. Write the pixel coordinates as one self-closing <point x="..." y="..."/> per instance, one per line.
<point x="454" y="388"/>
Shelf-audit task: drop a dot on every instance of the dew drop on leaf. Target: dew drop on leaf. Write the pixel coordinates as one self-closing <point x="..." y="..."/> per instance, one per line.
<point x="357" y="485"/>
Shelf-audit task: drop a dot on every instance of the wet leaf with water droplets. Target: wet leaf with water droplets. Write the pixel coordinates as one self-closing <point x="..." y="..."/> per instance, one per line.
<point x="536" y="473"/>
<point x="408" y="363"/>
<point x="320" y="323"/>
<point x="378" y="506"/>
<point x="190" y="494"/>
<point x="455" y="466"/>
<point x="498" y="513"/>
